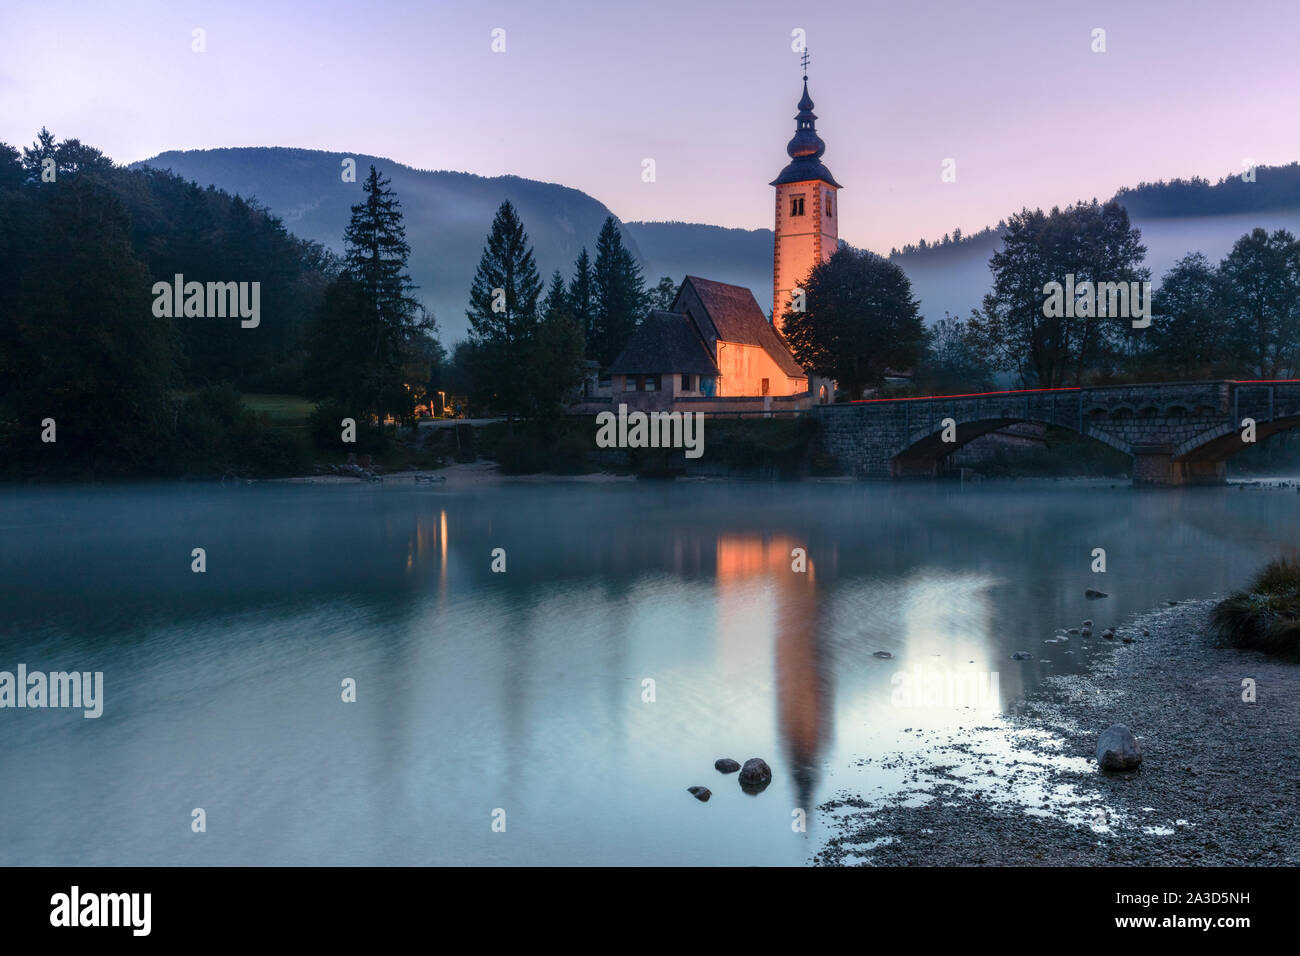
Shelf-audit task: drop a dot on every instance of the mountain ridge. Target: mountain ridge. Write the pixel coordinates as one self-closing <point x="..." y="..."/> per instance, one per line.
<point x="448" y="214"/>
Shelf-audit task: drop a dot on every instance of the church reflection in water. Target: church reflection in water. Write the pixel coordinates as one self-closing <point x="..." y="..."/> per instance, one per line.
<point x="789" y="607"/>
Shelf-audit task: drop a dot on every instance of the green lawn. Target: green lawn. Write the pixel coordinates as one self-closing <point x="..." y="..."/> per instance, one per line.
<point x="281" y="409"/>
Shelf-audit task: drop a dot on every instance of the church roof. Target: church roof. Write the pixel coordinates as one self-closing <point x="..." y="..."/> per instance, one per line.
<point x="805" y="170"/>
<point x="665" y="342"/>
<point x="736" y="317"/>
<point x="805" y="148"/>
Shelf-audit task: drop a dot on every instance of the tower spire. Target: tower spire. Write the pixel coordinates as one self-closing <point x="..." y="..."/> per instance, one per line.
<point x="806" y="227"/>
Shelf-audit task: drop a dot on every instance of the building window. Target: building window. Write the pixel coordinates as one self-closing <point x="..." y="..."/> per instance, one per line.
<point x="652" y="383"/>
<point x="796" y="205"/>
<point x="686" y="383"/>
<point x="764" y="386"/>
<point x="830" y="205"/>
<point x="629" y="384"/>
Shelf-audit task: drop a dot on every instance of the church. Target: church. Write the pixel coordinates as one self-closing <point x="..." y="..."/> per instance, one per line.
<point x="714" y="350"/>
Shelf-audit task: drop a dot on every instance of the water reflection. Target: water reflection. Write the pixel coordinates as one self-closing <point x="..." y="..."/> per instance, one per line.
<point x="523" y="689"/>
<point x="803" y="685"/>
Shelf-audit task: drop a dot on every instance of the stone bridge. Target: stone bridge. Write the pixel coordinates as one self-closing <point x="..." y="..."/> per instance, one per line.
<point x="1176" y="432"/>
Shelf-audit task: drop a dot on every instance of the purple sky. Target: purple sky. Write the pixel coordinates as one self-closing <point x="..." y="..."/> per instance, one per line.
<point x="584" y="91"/>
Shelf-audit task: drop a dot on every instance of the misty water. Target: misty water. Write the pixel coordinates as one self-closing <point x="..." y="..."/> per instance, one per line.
<point x="525" y="691"/>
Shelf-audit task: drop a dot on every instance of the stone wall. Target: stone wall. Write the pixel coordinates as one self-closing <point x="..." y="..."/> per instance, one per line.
<point x="1179" y="432"/>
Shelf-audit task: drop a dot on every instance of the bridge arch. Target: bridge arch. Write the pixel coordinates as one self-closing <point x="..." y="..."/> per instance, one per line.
<point x="1175" y="432"/>
<point x="924" y="454"/>
<point x="1221" y="443"/>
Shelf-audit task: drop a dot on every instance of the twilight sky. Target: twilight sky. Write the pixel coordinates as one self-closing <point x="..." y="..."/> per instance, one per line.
<point x="584" y="91"/>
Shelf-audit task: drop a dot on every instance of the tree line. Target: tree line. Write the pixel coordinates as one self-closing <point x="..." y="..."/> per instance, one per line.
<point x="82" y="241"/>
<point x="529" y="339"/>
<point x="1239" y="317"/>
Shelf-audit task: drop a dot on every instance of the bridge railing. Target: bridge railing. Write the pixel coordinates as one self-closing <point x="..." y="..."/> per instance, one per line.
<point x="1265" y="401"/>
<point x="1050" y="406"/>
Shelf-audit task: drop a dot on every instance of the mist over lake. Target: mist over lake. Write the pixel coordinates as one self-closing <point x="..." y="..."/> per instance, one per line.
<point x="525" y="690"/>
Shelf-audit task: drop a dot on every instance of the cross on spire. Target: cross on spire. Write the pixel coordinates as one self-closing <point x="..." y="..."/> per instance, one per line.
<point x="804" y="60"/>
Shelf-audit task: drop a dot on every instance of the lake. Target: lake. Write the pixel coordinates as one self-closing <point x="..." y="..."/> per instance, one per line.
<point x="638" y="632"/>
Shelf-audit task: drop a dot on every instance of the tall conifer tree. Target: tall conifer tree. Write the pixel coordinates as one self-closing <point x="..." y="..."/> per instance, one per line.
<point x="503" y="310"/>
<point x="582" y="300"/>
<point x="619" y="291"/>
<point x="371" y="322"/>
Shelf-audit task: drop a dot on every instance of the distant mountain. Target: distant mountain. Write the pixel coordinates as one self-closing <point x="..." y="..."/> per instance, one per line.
<point x="739" y="256"/>
<point x="448" y="215"/>
<point x="1175" y="218"/>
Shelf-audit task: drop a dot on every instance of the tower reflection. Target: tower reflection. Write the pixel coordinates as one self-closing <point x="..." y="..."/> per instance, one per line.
<point x="802" y="682"/>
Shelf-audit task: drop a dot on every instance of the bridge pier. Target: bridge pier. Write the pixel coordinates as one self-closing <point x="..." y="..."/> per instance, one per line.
<point x="1154" y="466"/>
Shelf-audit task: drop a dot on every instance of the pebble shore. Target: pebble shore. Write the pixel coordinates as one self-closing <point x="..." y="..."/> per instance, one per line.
<point x="1219" y="783"/>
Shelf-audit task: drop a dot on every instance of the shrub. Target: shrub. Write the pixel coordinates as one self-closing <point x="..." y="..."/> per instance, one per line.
<point x="571" y="454"/>
<point x="1267" y="616"/>
<point x="520" y="454"/>
<point x="219" y="435"/>
<point x="326" y="430"/>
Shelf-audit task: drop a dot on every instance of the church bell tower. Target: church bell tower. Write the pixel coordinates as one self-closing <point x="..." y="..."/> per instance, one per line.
<point x="807" y="210"/>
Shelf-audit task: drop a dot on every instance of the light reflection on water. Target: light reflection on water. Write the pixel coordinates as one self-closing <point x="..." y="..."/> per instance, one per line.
<point x="525" y="690"/>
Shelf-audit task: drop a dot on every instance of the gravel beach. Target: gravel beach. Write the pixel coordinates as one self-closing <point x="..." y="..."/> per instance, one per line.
<point x="1219" y="783"/>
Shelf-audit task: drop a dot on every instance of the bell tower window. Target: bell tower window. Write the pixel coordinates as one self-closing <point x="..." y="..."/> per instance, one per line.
<point x="796" y="205"/>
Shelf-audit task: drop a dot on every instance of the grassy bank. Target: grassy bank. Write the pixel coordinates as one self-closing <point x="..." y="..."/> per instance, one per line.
<point x="1266" y="616"/>
<point x="742" y="448"/>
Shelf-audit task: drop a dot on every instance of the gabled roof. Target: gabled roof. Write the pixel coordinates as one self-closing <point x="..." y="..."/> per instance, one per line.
<point x="665" y="342"/>
<point x="737" y="317"/>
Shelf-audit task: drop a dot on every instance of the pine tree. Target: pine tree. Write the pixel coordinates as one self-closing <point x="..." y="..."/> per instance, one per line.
<point x="554" y="362"/>
<point x="582" y="300"/>
<point x="665" y="293"/>
<point x="620" y="293"/>
<point x="371" y="325"/>
<point x="503" y="311"/>
<point x="44" y="148"/>
<point x="557" y="299"/>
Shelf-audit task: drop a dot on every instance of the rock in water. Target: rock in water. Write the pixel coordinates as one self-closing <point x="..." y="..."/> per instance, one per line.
<point x="883" y="655"/>
<point x="726" y="765"/>
<point x="1108" y="634"/>
<point x="1022" y="656"/>
<point x="1094" y="593"/>
<point x="755" y="775"/>
<point x="1118" y="749"/>
<point x="701" y="794"/>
